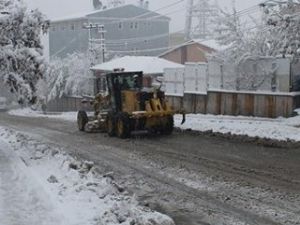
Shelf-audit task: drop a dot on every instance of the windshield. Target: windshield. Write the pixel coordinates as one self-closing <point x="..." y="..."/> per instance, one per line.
<point x="130" y="81"/>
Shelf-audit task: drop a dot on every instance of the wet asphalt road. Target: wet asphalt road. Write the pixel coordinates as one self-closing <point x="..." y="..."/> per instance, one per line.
<point x="194" y="179"/>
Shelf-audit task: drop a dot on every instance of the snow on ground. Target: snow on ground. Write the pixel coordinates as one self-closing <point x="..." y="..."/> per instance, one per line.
<point x="61" y="189"/>
<point x="281" y="129"/>
<point x="22" y="200"/>
<point x="27" y="112"/>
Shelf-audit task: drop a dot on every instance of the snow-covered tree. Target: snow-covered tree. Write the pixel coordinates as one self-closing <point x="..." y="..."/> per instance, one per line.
<point x="247" y="50"/>
<point x="21" y="53"/>
<point x="229" y="33"/>
<point x="70" y="76"/>
<point x="283" y="22"/>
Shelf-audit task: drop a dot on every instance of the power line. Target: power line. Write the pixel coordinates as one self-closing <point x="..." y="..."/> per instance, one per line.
<point x="119" y="20"/>
<point x="137" y="40"/>
<point x="95" y="42"/>
<point x="247" y="10"/>
<point x="126" y="19"/>
<point x="65" y="47"/>
<point x="154" y="49"/>
<point x="167" y="14"/>
<point x="203" y="19"/>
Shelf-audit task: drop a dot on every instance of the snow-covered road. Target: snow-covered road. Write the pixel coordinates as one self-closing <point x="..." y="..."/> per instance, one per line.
<point x="22" y="200"/>
<point x="40" y="184"/>
<point x="279" y="129"/>
<point x="195" y="179"/>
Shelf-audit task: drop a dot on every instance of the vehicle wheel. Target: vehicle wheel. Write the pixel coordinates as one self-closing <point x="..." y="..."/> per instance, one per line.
<point x="169" y="127"/>
<point x="123" y="126"/>
<point x="82" y="120"/>
<point x="111" y="125"/>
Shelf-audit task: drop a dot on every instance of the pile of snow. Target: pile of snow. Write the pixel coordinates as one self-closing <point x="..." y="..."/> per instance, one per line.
<point x="280" y="129"/>
<point x="76" y="189"/>
<point x="28" y="112"/>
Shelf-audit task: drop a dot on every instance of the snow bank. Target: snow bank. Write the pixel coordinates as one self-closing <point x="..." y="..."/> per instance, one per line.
<point x="27" y="112"/>
<point x="76" y="189"/>
<point x="280" y="129"/>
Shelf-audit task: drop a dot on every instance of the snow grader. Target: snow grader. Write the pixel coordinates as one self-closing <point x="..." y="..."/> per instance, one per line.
<point x="124" y="106"/>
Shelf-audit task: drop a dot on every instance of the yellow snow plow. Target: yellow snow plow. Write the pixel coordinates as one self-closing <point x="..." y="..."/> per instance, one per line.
<point x="125" y="107"/>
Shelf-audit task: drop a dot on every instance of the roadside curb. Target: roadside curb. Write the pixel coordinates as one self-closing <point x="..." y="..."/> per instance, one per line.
<point x="266" y="142"/>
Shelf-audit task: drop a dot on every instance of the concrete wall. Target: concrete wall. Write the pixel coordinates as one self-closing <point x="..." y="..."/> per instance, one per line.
<point x="245" y="104"/>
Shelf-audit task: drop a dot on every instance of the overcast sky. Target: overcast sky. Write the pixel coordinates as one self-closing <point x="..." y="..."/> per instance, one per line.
<point x="60" y="8"/>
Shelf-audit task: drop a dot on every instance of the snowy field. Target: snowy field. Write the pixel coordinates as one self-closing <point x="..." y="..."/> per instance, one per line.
<point x="281" y="129"/>
<point x="42" y="183"/>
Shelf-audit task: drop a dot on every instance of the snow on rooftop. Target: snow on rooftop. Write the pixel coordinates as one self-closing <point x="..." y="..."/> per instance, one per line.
<point x="75" y="16"/>
<point x="149" y="65"/>
<point x="211" y="44"/>
<point x="208" y="43"/>
<point x="83" y="14"/>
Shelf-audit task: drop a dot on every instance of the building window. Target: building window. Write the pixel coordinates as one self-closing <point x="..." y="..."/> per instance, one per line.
<point x="136" y="25"/>
<point x="131" y="25"/>
<point x="63" y="27"/>
<point x="53" y="28"/>
<point x="73" y="27"/>
<point x="120" y="25"/>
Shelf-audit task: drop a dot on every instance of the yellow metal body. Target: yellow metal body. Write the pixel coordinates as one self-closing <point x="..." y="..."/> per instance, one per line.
<point x="156" y="113"/>
<point x="125" y="106"/>
<point x="129" y="101"/>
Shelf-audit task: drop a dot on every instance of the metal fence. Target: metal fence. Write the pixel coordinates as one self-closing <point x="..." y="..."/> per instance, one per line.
<point x="253" y="74"/>
<point x="65" y="104"/>
<point x="258" y="87"/>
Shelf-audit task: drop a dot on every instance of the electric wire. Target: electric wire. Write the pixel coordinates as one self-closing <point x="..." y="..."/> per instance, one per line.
<point x="138" y="17"/>
<point x="125" y="42"/>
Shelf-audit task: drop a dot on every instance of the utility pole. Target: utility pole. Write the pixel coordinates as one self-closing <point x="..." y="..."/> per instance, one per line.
<point x="96" y="42"/>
